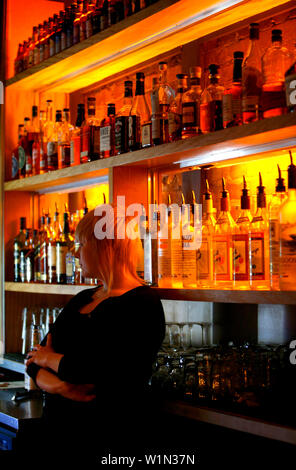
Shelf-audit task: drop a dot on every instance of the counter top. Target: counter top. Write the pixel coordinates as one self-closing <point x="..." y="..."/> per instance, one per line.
<point x="17" y="415"/>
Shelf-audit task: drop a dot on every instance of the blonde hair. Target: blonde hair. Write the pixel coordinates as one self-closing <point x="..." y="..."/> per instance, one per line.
<point x="114" y="254"/>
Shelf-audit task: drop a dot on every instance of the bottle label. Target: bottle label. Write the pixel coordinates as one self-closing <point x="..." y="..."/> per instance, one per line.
<point x="85" y="137"/>
<point x="105" y="139"/>
<point x="250" y="104"/>
<point x="257" y="256"/>
<point x="164" y="259"/>
<point x="63" y="155"/>
<point x="274" y="240"/>
<point x="288" y="256"/>
<point x="21" y="158"/>
<point x="14" y="166"/>
<point x="189" y="260"/>
<point x="70" y="265"/>
<point x="28" y="164"/>
<point x="241" y="257"/>
<point x="35" y="158"/>
<point x="189" y="114"/>
<point x="29" y="269"/>
<point x="51" y="255"/>
<point x="61" y="252"/>
<point x="222" y="257"/>
<point x="121" y="129"/>
<point x="146" y="135"/>
<point x="52" y="154"/>
<point x="43" y="262"/>
<point x="290" y="83"/>
<point x="203" y="260"/>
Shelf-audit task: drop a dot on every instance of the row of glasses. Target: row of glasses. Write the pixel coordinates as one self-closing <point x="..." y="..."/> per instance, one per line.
<point x="179" y="337"/>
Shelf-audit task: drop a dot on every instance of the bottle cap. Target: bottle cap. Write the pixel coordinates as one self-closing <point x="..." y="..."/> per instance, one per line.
<point x="224" y="201"/>
<point x="280" y="186"/>
<point x="245" y="198"/>
<point x="111" y="109"/>
<point x="80" y="105"/>
<point x="238" y="55"/>
<point x="195" y="71"/>
<point x="214" y="69"/>
<point x="291" y="173"/>
<point x="207" y="194"/>
<point x="140" y="76"/>
<point x="254" y="31"/>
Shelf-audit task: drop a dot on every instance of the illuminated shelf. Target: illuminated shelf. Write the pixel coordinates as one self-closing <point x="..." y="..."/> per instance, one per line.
<point x="153" y="31"/>
<point x="278" y="133"/>
<point x="255" y="426"/>
<point x="202" y="295"/>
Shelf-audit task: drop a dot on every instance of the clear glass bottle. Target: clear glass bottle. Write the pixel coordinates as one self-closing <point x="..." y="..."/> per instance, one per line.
<point x="107" y="133"/>
<point x="48" y="131"/>
<point x="166" y="95"/>
<point x="259" y="243"/>
<point x="42" y="143"/>
<point x="223" y="243"/>
<point x="90" y="134"/>
<point x="191" y="105"/>
<point x="232" y="98"/>
<point x="122" y="119"/>
<point x="53" y="142"/>
<point x="175" y="109"/>
<point x="24" y="154"/>
<point x="63" y="245"/>
<point x="139" y="117"/>
<point x="189" y="234"/>
<point x="275" y="62"/>
<point x="18" y="245"/>
<point x="287" y="217"/>
<point x="241" y="269"/>
<point x="156" y="115"/>
<point x="65" y="139"/>
<point x="252" y="78"/>
<point x="211" y="118"/>
<point x="277" y="200"/>
<point x="14" y="154"/>
<point x="164" y="258"/>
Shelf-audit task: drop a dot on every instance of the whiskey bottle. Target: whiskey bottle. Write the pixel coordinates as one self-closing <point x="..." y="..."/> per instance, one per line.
<point x="18" y="245"/>
<point x="166" y="95"/>
<point x="287" y="217"/>
<point x="223" y="243"/>
<point x="66" y="131"/>
<point x="90" y="134"/>
<point x="139" y="124"/>
<point x="241" y="274"/>
<point x="156" y="116"/>
<point x="63" y="245"/>
<point x="23" y="254"/>
<point x="53" y="142"/>
<point x="259" y="243"/>
<point x="35" y="133"/>
<point x="232" y="98"/>
<point x="252" y="78"/>
<point x="191" y="105"/>
<point x="211" y="118"/>
<point x="275" y="61"/>
<point x="107" y="133"/>
<point x="277" y="200"/>
<point x="50" y="143"/>
<point x="75" y="136"/>
<point x="96" y="17"/>
<point x="122" y="120"/>
<point x="14" y="154"/>
<point x="290" y="85"/>
<point x="204" y="255"/>
<point x="175" y="109"/>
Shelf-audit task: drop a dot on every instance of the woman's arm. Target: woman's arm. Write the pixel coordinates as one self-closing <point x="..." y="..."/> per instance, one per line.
<point x="45" y="356"/>
<point x="50" y="383"/>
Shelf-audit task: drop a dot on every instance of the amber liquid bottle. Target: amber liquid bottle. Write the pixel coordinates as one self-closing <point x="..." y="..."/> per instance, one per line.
<point x="211" y="118"/>
<point x="139" y="120"/>
<point x="175" y="109"/>
<point x="63" y="245"/>
<point x="191" y="105"/>
<point x="252" y="78"/>
<point x="75" y="137"/>
<point x="90" y="134"/>
<point x="107" y="133"/>
<point x="232" y="98"/>
<point x="122" y="119"/>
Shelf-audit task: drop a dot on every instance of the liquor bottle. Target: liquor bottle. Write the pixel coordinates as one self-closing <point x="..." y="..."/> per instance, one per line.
<point x="223" y="244"/>
<point x="241" y="269"/>
<point x="69" y="25"/>
<point x="252" y="78"/>
<point x="211" y="118"/>
<point x="96" y="17"/>
<point x="175" y="110"/>
<point x="90" y="134"/>
<point x="18" y="245"/>
<point x="107" y="133"/>
<point x="36" y="243"/>
<point x="139" y="120"/>
<point x="36" y="40"/>
<point x="232" y="98"/>
<point x="35" y="133"/>
<point x="189" y="234"/>
<point x="275" y="62"/>
<point x="46" y="39"/>
<point x="14" y="155"/>
<point x="191" y="105"/>
<point x="290" y="85"/>
<point x="112" y="15"/>
<point x="18" y="60"/>
<point x="104" y="21"/>
<point x="287" y="217"/>
<point x="156" y="116"/>
<point x="82" y="21"/>
<point x="122" y="119"/>
<point x="204" y="255"/>
<point x="164" y="259"/>
<point x="53" y="142"/>
<point x="42" y="41"/>
<point x="88" y="21"/>
<point x="259" y="243"/>
<point x="30" y="258"/>
<point x="175" y="227"/>
<point x="48" y="137"/>
<point x="76" y="22"/>
<point x="119" y="7"/>
<point x="24" y="156"/>
<point x="23" y="254"/>
<point x="53" y="28"/>
<point x="43" y="239"/>
<point x="42" y="143"/>
<point x="64" y="141"/>
<point x="25" y="57"/>
<point x="166" y="95"/>
<point x="277" y="200"/>
<point x="35" y="339"/>
<point x="64" y="21"/>
<point x="150" y="248"/>
<point x="58" y="33"/>
<point x="54" y="234"/>
<point x="63" y="245"/>
<point x="75" y="136"/>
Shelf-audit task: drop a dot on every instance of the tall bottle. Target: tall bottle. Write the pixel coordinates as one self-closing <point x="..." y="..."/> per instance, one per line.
<point x="150" y="248"/>
<point x="164" y="258"/>
<point x="175" y="227"/>
<point x="36" y="243"/>
<point x="189" y="240"/>
<point x="232" y="98"/>
<point x="139" y="128"/>
<point x="75" y="136"/>
<point x="287" y="217"/>
<point x="18" y="245"/>
<point x="29" y="258"/>
<point x="43" y="240"/>
<point x="252" y="78"/>
<point x="191" y="105"/>
<point x="54" y="234"/>
<point x="54" y="141"/>
<point x="64" y="140"/>
<point x="241" y="270"/>
<point x="15" y="154"/>
<point x="223" y="243"/>
<point x="42" y="143"/>
<point x="204" y="255"/>
<point x="36" y="142"/>
<point x="122" y="119"/>
<point x="49" y="138"/>
<point x="166" y="95"/>
<point x="63" y="245"/>
<point x="23" y="254"/>
<point x="211" y="118"/>
<point x="107" y="133"/>
<point x="157" y="125"/>
<point x="275" y="62"/>
<point x="277" y="200"/>
<point x="24" y="151"/>
<point x="90" y="134"/>
<point x="259" y="243"/>
<point x="175" y="109"/>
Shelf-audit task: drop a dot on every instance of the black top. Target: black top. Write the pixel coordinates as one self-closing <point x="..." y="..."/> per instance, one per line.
<point x="113" y="347"/>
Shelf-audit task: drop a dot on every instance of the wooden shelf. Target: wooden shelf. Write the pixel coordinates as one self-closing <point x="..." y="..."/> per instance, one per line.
<point x="242" y="142"/>
<point x="141" y="37"/>
<point x="200" y="295"/>
<point x="229" y="420"/>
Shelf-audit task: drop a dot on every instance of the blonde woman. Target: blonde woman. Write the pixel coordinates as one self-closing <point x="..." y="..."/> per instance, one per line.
<point x="96" y="363"/>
